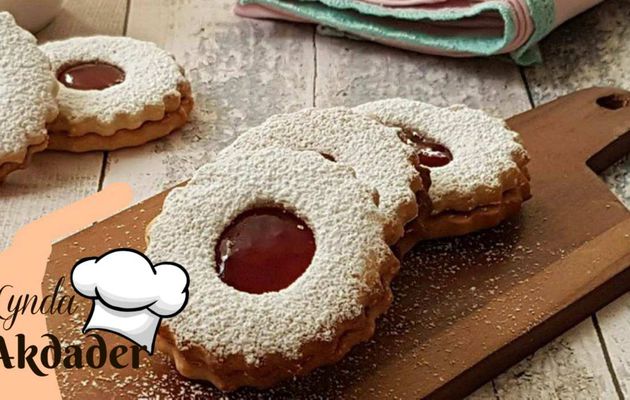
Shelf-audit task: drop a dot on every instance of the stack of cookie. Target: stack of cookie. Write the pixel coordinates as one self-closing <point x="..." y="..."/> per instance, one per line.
<point x="84" y="94"/>
<point x="288" y="234"/>
<point x="290" y="237"/>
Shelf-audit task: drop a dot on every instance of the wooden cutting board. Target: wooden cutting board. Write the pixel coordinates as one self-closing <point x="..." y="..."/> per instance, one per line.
<point x="465" y="308"/>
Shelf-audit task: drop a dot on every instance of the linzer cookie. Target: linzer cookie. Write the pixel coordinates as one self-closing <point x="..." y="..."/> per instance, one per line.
<point x="27" y="91"/>
<point x="287" y="261"/>
<point x="115" y="92"/>
<point x="372" y="150"/>
<point x="478" y="165"/>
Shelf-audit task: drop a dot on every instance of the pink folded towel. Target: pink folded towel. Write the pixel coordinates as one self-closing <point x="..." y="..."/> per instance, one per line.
<point x="445" y="27"/>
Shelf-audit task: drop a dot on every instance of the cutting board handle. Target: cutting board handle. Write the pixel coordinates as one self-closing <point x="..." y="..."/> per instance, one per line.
<point x="595" y="124"/>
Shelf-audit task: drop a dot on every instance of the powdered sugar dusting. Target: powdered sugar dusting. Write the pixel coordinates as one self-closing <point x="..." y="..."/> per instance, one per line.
<point x="27" y="90"/>
<point x="151" y="75"/>
<point x="486" y="154"/>
<point x="373" y="151"/>
<point x="348" y="231"/>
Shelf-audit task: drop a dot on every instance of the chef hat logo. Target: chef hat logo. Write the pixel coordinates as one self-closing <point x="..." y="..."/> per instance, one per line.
<point x="130" y="295"/>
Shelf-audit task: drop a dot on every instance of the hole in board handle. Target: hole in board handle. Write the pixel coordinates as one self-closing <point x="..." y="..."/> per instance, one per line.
<point x="614" y="101"/>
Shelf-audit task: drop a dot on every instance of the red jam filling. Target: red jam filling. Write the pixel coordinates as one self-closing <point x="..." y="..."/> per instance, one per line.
<point x="91" y="76"/>
<point x="264" y="250"/>
<point x="430" y="154"/>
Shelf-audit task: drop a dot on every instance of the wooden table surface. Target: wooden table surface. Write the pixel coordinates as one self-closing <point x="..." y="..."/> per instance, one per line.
<point x="243" y="71"/>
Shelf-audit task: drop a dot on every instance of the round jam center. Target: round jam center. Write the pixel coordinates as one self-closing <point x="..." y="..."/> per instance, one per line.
<point x="430" y="154"/>
<point x="91" y="76"/>
<point x="264" y="250"/>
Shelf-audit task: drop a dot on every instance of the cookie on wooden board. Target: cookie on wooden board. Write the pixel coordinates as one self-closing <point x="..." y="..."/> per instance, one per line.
<point x="287" y="261"/>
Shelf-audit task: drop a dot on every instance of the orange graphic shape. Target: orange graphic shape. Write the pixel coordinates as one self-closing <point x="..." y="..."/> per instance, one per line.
<point x="22" y="266"/>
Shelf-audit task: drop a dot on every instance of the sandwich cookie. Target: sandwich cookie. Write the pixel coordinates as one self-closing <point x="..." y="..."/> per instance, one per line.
<point x="478" y="166"/>
<point x="287" y="261"/>
<point x="115" y="92"/>
<point x="372" y="150"/>
<point x="27" y="96"/>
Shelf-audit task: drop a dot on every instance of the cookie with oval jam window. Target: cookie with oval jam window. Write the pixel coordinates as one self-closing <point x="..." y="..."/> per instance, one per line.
<point x="478" y="166"/>
<point x="27" y="96"/>
<point x="288" y="266"/>
<point x="115" y="92"/>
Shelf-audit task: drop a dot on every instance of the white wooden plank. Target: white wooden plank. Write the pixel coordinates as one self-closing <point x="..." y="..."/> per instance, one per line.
<point x="594" y="50"/>
<point x="56" y="179"/>
<point x="242" y="71"/>
<point x="570" y="367"/>
<point x="352" y="72"/>
<point x="50" y="182"/>
<point x="85" y="18"/>
<point x="486" y="392"/>
<point x="614" y="322"/>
